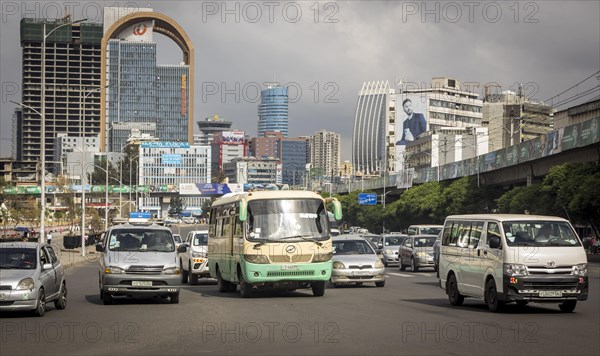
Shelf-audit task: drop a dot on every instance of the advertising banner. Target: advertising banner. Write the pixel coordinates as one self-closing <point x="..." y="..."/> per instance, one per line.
<point x="411" y="121"/>
<point x="590" y="131"/>
<point x="171" y="158"/>
<point x="208" y="188"/>
<point x="165" y="144"/>
<point x="138" y="32"/>
<point x="234" y="137"/>
<point x="572" y="137"/>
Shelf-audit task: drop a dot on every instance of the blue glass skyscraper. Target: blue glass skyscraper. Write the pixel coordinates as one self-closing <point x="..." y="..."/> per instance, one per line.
<point x="273" y="111"/>
<point x="142" y="92"/>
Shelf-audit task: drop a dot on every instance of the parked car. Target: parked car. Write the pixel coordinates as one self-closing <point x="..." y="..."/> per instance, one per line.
<point x="193" y="256"/>
<point x="31" y="276"/>
<point x="355" y="261"/>
<point x="417" y="252"/>
<point x="425" y="229"/>
<point x="389" y="245"/>
<point x="138" y="261"/>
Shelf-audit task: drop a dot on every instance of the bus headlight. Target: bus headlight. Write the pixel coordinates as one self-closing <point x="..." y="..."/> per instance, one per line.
<point x="580" y="270"/>
<point x="260" y="259"/>
<point x="323" y="257"/>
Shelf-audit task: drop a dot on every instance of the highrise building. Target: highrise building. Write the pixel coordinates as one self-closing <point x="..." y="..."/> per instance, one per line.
<point x="209" y="127"/>
<point x="372" y="137"/>
<point x="266" y="146"/>
<point x="72" y="74"/>
<point x="226" y="146"/>
<point x="293" y="161"/>
<point x="139" y="91"/>
<point x="513" y="118"/>
<point x="273" y="110"/>
<point x="142" y="93"/>
<point x="325" y="153"/>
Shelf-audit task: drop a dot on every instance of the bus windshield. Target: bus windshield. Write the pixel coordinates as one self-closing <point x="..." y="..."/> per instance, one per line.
<point x="275" y="220"/>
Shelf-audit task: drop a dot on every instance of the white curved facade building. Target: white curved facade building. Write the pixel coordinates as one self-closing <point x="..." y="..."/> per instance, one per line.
<point x="372" y="124"/>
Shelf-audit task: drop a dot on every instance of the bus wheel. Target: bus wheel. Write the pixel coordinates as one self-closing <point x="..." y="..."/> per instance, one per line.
<point x="221" y="284"/>
<point x="245" y="288"/>
<point x="318" y="288"/>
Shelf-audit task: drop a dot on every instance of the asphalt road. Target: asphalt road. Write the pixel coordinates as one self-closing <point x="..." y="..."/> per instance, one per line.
<point x="410" y="315"/>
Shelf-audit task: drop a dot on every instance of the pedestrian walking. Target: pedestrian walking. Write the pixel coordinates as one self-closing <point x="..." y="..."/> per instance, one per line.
<point x="49" y="238"/>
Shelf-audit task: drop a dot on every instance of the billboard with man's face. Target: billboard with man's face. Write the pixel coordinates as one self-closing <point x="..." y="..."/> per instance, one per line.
<point x="411" y="121"/>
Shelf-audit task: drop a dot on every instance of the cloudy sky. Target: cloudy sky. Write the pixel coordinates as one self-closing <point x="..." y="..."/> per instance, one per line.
<point x="326" y="50"/>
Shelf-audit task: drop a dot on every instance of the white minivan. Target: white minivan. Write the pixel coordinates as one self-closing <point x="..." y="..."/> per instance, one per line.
<point x="512" y="258"/>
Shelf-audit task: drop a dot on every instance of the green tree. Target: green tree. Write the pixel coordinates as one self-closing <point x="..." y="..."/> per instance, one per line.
<point x="176" y="206"/>
<point x="219" y="178"/>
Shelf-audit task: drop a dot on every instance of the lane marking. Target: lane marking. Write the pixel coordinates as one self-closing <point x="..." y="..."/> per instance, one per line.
<point x="400" y="275"/>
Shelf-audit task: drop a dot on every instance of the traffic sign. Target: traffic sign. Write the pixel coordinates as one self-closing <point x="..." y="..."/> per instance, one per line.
<point x="367" y="199"/>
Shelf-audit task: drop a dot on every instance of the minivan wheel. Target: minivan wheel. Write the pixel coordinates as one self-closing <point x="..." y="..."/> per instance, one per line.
<point x="568" y="306"/>
<point x="454" y="295"/>
<point x="184" y="273"/>
<point x="174" y="298"/>
<point x="107" y="298"/>
<point x="491" y="296"/>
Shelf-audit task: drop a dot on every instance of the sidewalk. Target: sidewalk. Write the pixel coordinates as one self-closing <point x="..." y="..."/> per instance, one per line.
<point x="72" y="257"/>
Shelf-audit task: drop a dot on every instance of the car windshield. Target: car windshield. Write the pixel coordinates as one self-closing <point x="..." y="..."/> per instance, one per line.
<point x="424" y="241"/>
<point x="539" y="233"/>
<point x="17" y="258"/>
<point x="393" y="241"/>
<point x="200" y="239"/>
<point x="430" y="230"/>
<point x="352" y="247"/>
<point x="274" y="220"/>
<point x="141" y="240"/>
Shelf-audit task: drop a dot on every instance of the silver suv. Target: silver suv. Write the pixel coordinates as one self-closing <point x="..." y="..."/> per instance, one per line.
<point x="138" y="261"/>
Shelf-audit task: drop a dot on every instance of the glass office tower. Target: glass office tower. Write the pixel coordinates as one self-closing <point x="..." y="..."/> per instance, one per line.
<point x="273" y="111"/>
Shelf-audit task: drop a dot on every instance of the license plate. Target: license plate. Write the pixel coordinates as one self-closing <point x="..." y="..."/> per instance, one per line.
<point x="550" y="293"/>
<point x="361" y="273"/>
<point x="2" y="296"/>
<point x="289" y="268"/>
<point x="141" y="283"/>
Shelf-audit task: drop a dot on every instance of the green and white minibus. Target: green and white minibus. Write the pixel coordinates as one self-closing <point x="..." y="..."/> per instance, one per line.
<point x="278" y="239"/>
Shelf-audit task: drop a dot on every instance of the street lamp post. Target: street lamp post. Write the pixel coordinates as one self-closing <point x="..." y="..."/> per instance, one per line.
<point x="43" y="125"/>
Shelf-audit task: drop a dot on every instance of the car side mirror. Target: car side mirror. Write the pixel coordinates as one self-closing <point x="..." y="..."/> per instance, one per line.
<point x="182" y="248"/>
<point x="494" y="242"/>
<point x="47" y="266"/>
<point x="99" y="248"/>
<point x="379" y="246"/>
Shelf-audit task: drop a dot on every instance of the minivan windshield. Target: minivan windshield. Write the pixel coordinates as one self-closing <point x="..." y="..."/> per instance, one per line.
<point x="539" y="233"/>
<point x="141" y="240"/>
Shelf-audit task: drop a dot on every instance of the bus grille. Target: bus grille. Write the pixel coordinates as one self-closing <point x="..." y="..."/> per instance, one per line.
<point x="295" y="258"/>
<point x="289" y="273"/>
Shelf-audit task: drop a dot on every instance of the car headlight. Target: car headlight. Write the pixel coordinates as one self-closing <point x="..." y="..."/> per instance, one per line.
<point x="26" y="283"/>
<point x="422" y="254"/>
<point x="580" y="270"/>
<point x="323" y="257"/>
<point x="388" y="252"/>
<point x="379" y="264"/>
<point x="171" y="270"/>
<point x="338" y="265"/>
<point x="114" y="270"/>
<point x="513" y="269"/>
<point x="198" y="254"/>
<point x="261" y="259"/>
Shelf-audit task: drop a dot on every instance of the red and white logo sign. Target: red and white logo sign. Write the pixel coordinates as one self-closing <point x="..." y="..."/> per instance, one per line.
<point x="140" y="29"/>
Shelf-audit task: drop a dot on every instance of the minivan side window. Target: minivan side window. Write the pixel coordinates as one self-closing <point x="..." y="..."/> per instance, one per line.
<point x="493" y="230"/>
<point x="447" y="233"/>
<point x="464" y="230"/>
<point x="476" y="230"/>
